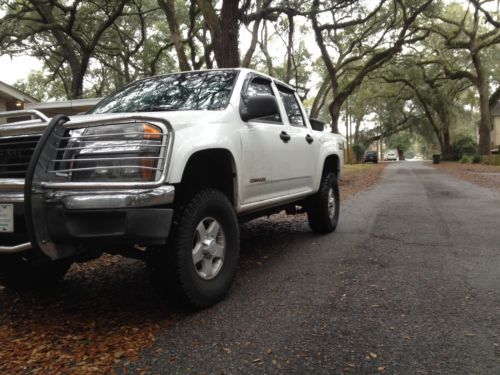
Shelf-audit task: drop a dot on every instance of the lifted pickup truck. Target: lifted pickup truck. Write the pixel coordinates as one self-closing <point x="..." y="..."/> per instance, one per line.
<point x="162" y="170"/>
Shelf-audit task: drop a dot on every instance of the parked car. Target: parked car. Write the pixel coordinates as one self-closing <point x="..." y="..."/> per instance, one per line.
<point x="391" y="156"/>
<point x="163" y="170"/>
<point x="371" y="156"/>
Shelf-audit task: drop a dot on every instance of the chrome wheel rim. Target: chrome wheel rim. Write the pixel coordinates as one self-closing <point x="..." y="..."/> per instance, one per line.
<point x="209" y="248"/>
<point x="331" y="203"/>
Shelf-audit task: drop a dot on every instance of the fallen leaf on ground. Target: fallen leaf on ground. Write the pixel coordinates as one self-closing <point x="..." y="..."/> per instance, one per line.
<point x="483" y="175"/>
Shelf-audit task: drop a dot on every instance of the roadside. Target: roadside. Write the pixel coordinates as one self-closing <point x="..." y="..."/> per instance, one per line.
<point x="487" y="176"/>
<point x="105" y="312"/>
<point x="359" y="177"/>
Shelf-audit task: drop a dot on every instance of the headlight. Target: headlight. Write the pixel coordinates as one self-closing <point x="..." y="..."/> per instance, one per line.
<point x="112" y="153"/>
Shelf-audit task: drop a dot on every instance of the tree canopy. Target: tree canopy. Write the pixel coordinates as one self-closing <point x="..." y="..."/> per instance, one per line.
<point x="421" y="66"/>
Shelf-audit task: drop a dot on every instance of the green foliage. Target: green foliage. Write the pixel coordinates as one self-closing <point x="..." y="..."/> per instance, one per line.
<point x="465" y="159"/>
<point x="42" y="86"/>
<point x="358" y="150"/>
<point x="463" y="146"/>
<point x="410" y="154"/>
<point x="402" y="140"/>
<point x="476" y="159"/>
<point x="491" y="160"/>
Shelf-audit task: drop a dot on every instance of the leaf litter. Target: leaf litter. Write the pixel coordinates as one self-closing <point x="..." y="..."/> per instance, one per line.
<point x="103" y="314"/>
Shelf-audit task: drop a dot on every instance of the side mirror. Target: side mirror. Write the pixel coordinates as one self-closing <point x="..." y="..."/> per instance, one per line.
<point x="317" y="125"/>
<point x="258" y="106"/>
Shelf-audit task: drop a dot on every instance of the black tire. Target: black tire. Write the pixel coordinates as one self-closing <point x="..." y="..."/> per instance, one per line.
<point x="174" y="270"/>
<point x="21" y="273"/>
<point x="321" y="220"/>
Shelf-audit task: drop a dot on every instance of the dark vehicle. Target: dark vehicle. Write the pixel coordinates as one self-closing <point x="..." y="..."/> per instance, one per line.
<point x="370" y="156"/>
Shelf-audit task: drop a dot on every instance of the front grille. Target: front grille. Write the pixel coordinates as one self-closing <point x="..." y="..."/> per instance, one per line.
<point x="15" y="155"/>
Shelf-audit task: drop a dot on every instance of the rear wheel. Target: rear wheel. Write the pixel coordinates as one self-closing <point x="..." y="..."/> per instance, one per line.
<point x="323" y="208"/>
<point x="18" y="272"/>
<point x="200" y="261"/>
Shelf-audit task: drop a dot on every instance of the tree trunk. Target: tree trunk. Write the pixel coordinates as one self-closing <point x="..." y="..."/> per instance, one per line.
<point x="228" y="55"/>
<point x="224" y="31"/>
<point x="255" y="38"/>
<point x="484" y="123"/>
<point x="484" y="107"/>
<point x="335" y="108"/>
<point x="289" y="51"/>
<point x="76" y="88"/>
<point x="78" y="74"/>
<point x="446" y="147"/>
<point x="168" y="7"/>
<point x="356" y="130"/>
<point x="401" y="154"/>
<point x="320" y="98"/>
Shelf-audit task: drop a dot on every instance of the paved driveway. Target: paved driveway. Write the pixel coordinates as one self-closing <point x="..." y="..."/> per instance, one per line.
<point x="408" y="284"/>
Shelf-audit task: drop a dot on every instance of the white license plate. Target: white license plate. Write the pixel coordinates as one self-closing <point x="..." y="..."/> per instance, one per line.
<point x="6" y="217"/>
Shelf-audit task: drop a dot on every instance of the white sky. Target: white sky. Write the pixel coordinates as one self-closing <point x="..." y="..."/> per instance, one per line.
<point x="13" y="69"/>
<point x="17" y="68"/>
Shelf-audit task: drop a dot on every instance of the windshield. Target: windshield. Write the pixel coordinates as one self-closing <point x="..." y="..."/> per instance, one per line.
<point x="206" y="90"/>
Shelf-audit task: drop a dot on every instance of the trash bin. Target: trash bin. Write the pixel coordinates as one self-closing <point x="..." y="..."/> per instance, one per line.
<point x="436" y="158"/>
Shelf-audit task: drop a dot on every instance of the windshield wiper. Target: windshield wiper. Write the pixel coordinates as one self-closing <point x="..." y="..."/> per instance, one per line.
<point x="155" y="109"/>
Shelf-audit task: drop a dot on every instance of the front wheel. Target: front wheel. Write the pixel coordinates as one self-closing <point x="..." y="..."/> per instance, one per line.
<point x="323" y="208"/>
<point x="200" y="261"/>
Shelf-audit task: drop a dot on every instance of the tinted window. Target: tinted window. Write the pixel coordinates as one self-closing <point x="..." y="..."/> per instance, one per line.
<point x="209" y="90"/>
<point x="261" y="86"/>
<point x="292" y="108"/>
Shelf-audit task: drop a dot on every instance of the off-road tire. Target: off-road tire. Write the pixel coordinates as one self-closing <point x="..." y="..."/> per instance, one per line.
<point x="22" y="273"/>
<point x="321" y="219"/>
<point x="172" y="268"/>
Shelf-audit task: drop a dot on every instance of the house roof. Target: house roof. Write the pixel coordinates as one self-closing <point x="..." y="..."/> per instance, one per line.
<point x="495" y="111"/>
<point x="67" y="107"/>
<point x="11" y="93"/>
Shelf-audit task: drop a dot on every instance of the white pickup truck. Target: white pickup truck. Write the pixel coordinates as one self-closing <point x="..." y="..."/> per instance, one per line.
<point x="162" y="170"/>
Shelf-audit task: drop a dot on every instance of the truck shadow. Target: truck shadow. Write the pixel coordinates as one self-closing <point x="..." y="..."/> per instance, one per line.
<point x="109" y="304"/>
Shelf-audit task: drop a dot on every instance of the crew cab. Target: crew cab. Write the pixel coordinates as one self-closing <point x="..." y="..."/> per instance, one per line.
<point x="162" y="170"/>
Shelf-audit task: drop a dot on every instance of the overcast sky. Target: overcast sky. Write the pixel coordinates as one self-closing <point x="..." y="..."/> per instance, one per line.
<point x="17" y="68"/>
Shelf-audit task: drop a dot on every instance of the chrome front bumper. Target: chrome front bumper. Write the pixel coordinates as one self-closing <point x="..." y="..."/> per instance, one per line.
<point x="110" y="199"/>
<point x="12" y="191"/>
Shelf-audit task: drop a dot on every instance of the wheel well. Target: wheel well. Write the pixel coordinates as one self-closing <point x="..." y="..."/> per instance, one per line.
<point x="331" y="165"/>
<point x="213" y="168"/>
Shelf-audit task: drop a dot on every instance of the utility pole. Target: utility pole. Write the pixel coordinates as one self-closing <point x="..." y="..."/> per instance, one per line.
<point x="380" y="142"/>
<point x="347" y="128"/>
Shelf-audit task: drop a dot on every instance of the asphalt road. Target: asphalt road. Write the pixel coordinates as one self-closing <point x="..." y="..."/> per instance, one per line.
<point x="408" y="284"/>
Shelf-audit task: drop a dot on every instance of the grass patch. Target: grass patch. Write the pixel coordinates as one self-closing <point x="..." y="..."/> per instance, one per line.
<point x="491" y="160"/>
<point x="349" y="168"/>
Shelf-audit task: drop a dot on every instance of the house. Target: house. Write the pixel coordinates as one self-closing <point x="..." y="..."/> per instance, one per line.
<point x="65" y="107"/>
<point x="12" y="99"/>
<point x="495" y="131"/>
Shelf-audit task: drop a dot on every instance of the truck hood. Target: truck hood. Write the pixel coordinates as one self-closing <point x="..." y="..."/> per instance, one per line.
<point x="178" y="119"/>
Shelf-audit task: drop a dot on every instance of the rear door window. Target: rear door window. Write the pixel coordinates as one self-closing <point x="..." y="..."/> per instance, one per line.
<point x="292" y="107"/>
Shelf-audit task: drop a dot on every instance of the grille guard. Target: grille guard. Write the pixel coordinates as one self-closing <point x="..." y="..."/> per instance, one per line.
<point x="37" y="189"/>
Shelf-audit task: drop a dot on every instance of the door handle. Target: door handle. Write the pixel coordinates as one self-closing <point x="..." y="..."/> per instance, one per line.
<point x="285" y="137"/>
<point x="309" y="139"/>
